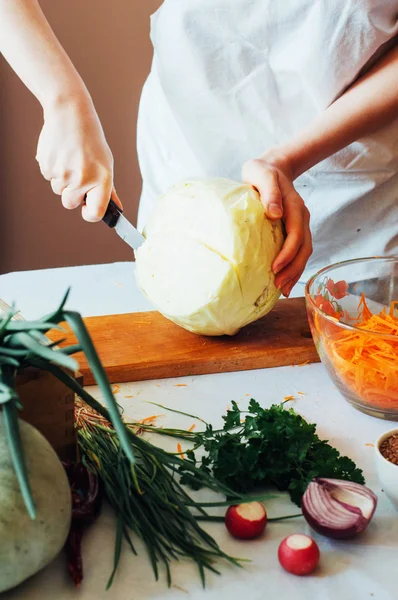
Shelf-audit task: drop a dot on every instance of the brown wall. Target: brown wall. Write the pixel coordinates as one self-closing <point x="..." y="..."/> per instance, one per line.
<point x="108" y="41"/>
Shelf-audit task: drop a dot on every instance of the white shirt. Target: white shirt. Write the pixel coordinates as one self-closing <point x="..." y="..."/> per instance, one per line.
<point x="231" y="78"/>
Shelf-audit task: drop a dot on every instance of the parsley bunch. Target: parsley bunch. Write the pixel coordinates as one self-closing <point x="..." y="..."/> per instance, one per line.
<point x="267" y="447"/>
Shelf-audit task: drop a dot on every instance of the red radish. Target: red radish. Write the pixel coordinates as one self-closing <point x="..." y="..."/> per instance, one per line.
<point x="298" y="554"/>
<point x="246" y="521"/>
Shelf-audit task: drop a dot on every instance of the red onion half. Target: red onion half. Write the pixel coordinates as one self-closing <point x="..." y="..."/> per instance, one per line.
<point x="336" y="508"/>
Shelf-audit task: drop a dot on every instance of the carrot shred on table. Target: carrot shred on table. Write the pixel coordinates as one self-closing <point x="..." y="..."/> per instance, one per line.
<point x="301" y="393"/>
<point x="129" y="396"/>
<point x="179" y="450"/>
<point x="150" y="419"/>
<point x="287" y="398"/>
<point x="192" y="427"/>
<point x="370" y="445"/>
<point x="306" y="362"/>
<point x="116" y="389"/>
<point x="368" y="363"/>
<point x="180" y="385"/>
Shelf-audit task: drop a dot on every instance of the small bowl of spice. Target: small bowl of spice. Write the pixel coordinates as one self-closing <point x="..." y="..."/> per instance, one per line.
<point x="387" y="463"/>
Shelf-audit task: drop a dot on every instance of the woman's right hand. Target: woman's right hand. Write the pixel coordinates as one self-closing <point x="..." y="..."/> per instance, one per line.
<point x="74" y="156"/>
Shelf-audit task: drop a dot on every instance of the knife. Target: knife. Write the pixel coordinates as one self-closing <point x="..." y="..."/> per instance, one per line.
<point x="115" y="220"/>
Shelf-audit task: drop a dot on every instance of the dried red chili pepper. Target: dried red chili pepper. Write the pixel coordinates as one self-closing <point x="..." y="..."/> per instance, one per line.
<point x="86" y="505"/>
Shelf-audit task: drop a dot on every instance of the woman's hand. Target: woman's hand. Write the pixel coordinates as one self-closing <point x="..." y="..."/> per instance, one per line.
<point x="72" y="151"/>
<point x="271" y="176"/>
<point x="74" y="156"/>
<point x="365" y="107"/>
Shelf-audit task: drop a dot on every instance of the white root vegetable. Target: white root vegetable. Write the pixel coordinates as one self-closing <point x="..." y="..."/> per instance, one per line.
<point x="206" y="262"/>
<point x="26" y="546"/>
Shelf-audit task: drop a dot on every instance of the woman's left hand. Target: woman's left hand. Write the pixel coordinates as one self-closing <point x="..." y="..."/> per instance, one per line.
<point x="271" y="177"/>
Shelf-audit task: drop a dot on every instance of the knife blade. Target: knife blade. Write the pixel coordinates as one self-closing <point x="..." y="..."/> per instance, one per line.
<point x="115" y="219"/>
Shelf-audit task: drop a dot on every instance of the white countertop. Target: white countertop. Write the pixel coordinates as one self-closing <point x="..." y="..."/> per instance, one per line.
<point x="352" y="570"/>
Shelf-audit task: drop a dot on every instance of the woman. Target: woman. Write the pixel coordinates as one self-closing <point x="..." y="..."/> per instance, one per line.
<point x="293" y="84"/>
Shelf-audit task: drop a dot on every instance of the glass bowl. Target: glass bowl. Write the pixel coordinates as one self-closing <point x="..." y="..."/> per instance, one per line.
<point x="354" y="323"/>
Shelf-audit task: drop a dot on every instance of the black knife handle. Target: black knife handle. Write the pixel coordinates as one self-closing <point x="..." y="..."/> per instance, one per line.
<point x="112" y="214"/>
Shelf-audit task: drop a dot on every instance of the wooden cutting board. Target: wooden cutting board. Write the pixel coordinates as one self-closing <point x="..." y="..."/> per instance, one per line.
<point x="139" y="346"/>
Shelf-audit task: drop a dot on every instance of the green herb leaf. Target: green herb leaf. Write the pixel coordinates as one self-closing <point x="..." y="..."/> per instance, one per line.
<point x="7" y="360"/>
<point x="232" y="418"/>
<point x="58" y="314"/>
<point x="28" y="326"/>
<point x="39" y="349"/>
<point x="17" y="456"/>
<point x="269" y="447"/>
<point x="5" y="321"/>
<point x="118" y="551"/>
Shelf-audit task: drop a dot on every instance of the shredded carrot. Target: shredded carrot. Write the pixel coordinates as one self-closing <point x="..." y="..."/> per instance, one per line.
<point x="116" y="389"/>
<point x="287" y="398"/>
<point x="129" y="396"/>
<point x="368" y="364"/>
<point x="179" y="450"/>
<point x="180" y="385"/>
<point x="370" y="445"/>
<point x="301" y="393"/>
<point x="150" y="420"/>
<point x="306" y="362"/>
<point x="192" y="427"/>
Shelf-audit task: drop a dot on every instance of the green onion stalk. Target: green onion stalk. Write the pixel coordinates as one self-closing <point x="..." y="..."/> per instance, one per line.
<point x="23" y="344"/>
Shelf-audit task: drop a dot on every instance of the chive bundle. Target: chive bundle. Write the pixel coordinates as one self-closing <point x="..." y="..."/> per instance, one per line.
<point x="148" y="499"/>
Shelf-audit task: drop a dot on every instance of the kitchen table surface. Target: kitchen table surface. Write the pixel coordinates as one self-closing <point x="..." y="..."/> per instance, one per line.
<point x="361" y="568"/>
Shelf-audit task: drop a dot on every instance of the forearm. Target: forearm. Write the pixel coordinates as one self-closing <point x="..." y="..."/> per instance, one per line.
<point x="31" y="48"/>
<point x="368" y="105"/>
